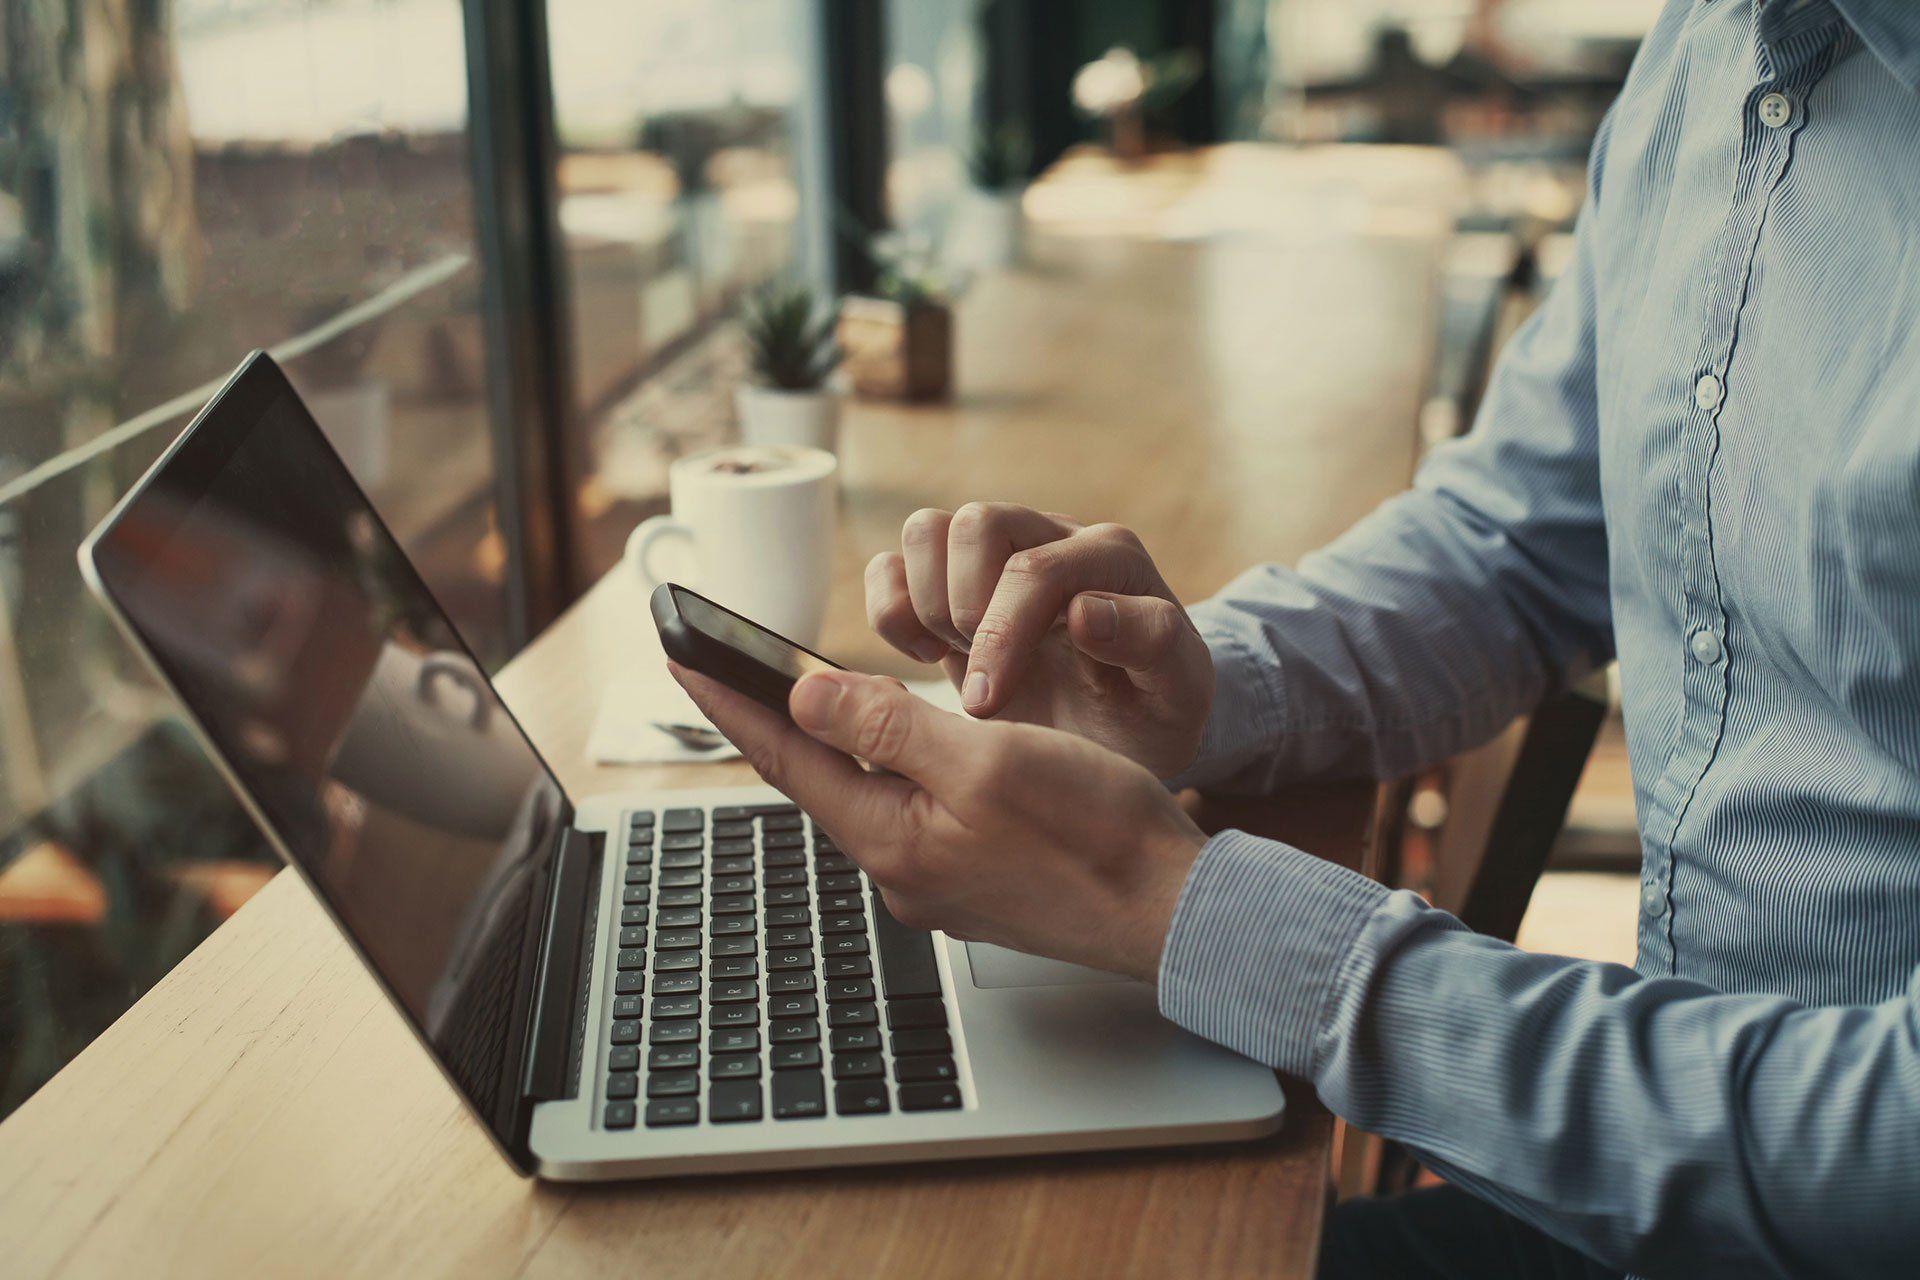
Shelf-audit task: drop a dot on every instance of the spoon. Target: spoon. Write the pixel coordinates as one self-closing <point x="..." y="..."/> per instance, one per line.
<point x="692" y="736"/>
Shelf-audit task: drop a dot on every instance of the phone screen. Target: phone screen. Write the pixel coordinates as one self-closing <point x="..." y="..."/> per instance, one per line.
<point x="749" y="638"/>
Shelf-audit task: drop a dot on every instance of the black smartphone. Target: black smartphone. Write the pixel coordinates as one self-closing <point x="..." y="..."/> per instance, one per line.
<point x="738" y="652"/>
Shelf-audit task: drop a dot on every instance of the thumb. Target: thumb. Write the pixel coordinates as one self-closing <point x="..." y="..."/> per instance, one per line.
<point x="878" y="720"/>
<point x="1149" y="638"/>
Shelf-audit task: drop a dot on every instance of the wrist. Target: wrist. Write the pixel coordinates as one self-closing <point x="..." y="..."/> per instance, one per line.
<point x="1167" y="860"/>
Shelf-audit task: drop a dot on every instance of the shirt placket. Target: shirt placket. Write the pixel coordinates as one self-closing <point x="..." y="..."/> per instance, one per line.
<point x="1772" y="113"/>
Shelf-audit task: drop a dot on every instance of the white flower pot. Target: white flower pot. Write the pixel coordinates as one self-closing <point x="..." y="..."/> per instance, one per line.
<point x="992" y="233"/>
<point x="807" y="419"/>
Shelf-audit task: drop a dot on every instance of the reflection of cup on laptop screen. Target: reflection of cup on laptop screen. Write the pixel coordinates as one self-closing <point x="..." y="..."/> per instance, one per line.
<point x="755" y="524"/>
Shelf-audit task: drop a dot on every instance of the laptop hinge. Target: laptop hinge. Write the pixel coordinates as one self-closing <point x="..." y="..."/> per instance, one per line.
<point x="552" y="1060"/>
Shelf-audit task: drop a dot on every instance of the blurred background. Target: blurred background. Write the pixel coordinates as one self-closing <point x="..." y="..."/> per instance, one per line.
<point x="499" y="245"/>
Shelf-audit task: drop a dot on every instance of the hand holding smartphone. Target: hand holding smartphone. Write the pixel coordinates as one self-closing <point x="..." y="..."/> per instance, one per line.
<point x="722" y="645"/>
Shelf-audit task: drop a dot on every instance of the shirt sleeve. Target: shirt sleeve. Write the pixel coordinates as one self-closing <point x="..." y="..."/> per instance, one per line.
<point x="1653" y="1123"/>
<point x="1451" y="609"/>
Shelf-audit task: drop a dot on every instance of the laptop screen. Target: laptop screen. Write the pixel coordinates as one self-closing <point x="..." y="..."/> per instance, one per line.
<point x="351" y="716"/>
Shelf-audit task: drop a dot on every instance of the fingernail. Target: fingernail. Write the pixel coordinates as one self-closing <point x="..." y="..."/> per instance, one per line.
<point x="973" y="691"/>
<point x="1103" y="618"/>
<point x="813" y="701"/>
<point x="931" y="649"/>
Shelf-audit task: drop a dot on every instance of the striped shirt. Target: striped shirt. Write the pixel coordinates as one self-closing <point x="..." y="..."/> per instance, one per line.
<point x="1700" y="456"/>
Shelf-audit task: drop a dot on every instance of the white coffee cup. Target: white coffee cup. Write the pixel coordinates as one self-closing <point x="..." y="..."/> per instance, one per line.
<point x="757" y="521"/>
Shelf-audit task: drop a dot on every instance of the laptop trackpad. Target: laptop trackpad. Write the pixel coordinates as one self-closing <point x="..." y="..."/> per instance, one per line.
<point x="998" y="967"/>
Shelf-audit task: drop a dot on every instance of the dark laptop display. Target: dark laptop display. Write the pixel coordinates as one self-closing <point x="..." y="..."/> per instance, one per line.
<point x="355" y="721"/>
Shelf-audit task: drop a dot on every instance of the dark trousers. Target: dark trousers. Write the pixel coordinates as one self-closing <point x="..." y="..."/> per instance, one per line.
<point x="1442" y="1233"/>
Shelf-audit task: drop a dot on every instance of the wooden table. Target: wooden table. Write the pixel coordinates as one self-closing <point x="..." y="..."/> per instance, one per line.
<point x="262" y="1111"/>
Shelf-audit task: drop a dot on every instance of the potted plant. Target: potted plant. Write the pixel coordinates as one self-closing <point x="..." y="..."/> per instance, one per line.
<point x="1127" y="93"/>
<point x="898" y="340"/>
<point x="997" y="177"/>
<point x="790" y="347"/>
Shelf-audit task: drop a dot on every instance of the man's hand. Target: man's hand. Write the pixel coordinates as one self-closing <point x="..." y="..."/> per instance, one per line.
<point x="992" y="831"/>
<point x="1038" y="619"/>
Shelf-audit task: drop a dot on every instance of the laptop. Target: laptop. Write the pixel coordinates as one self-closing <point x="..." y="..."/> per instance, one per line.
<point x="659" y="982"/>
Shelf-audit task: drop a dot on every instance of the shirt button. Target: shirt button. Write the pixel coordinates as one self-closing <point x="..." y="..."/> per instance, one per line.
<point x="1775" y="110"/>
<point x="1654" y="901"/>
<point x="1706" y="647"/>
<point x="1706" y="392"/>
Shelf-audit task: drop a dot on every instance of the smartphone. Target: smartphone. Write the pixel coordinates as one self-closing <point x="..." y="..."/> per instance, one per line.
<point x="738" y="652"/>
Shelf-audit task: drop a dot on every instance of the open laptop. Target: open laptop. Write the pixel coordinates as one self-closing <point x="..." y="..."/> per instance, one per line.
<point x="628" y="985"/>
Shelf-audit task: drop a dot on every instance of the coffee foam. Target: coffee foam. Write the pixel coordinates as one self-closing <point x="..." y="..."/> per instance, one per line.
<point x="763" y="464"/>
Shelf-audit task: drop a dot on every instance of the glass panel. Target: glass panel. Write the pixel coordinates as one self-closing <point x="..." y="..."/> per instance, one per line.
<point x="180" y="183"/>
<point x="933" y="72"/>
<point x="683" y="157"/>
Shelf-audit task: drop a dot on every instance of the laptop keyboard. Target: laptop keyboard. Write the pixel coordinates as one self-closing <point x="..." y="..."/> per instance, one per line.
<point x="745" y="980"/>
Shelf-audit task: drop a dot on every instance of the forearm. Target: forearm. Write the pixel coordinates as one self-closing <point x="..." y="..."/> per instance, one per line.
<point x="1653" y="1123"/>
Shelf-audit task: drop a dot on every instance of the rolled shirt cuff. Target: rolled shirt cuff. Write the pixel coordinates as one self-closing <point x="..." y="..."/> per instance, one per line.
<point x="1260" y="946"/>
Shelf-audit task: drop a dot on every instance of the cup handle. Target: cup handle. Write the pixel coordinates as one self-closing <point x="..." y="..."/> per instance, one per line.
<point x="641" y="541"/>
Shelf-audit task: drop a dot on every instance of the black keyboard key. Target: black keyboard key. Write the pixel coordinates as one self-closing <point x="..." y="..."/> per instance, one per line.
<point x="630" y="984"/>
<point x="929" y="1097"/>
<point x="672" y="1111"/>
<point x="730" y="926"/>
<point x="724" y="885"/>
<point x="782" y="810"/>
<point x="902" y="1014"/>
<point x="784" y="858"/>
<point x="734" y="967"/>
<point x="794" y="1031"/>
<point x="907" y="966"/>
<point x="673" y="1084"/>
<point x="678" y="918"/>
<point x="791" y="980"/>
<point x="676" y="984"/>
<point x="789" y="938"/>
<point x="638" y="875"/>
<point x="626" y="1031"/>
<point x="798" y="1095"/>
<point x="673" y="1008"/>
<point x="833" y="864"/>
<point x="734" y="1015"/>
<point x="734" y="906"/>
<point x="733" y="848"/>
<point x="641" y="819"/>
<point x="734" y="1040"/>
<point x="633" y="936"/>
<point x="733" y="1101"/>
<point x="924" y="1070"/>
<point x="734" y="1066"/>
<point x="678" y="858"/>
<point x="778" y="917"/>
<point x="852" y="1015"/>
<point x="921" y="1040"/>
<point x="739" y="865"/>
<point x="845" y="944"/>
<point x="628" y="1007"/>
<point x="633" y="915"/>
<point x="677" y="940"/>
<point x="734" y="830"/>
<point x="786" y="1057"/>
<point x="679" y="898"/>
<point x="631" y="958"/>
<point x="624" y="1058"/>
<point x="635" y="895"/>
<point x="861" y="1097"/>
<point x="849" y="989"/>
<point x="682" y="842"/>
<point x="834" y="904"/>
<point x="789" y="896"/>
<point x="784" y="821"/>
<point x="683" y="820"/>
<point x="673" y="1057"/>
<point x="733" y="813"/>
<point x="688" y="878"/>
<point x="673" y="1033"/>
<point x="847" y="967"/>
<point x="676" y="961"/>
<point x="620" y="1115"/>
<point x="792" y="1004"/>
<point x="777" y="960"/>
<point x="624" y="1085"/>
<point x="853" y="1039"/>
<point x="784" y="840"/>
<point x="639" y="855"/>
<point x="733" y="991"/>
<point x="737" y="946"/>
<point x="844" y="924"/>
<point x="779" y="876"/>
<point x="856" y="1066"/>
<point x="838" y="884"/>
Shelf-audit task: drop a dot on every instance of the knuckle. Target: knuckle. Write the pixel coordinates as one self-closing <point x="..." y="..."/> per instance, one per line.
<point x="1034" y="562"/>
<point x="1117" y="534"/>
<point x="971" y="523"/>
<point x="925" y="527"/>
<point x="882" y="728"/>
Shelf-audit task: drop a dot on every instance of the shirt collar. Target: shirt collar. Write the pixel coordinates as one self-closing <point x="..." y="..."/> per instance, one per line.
<point x="1891" y="29"/>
